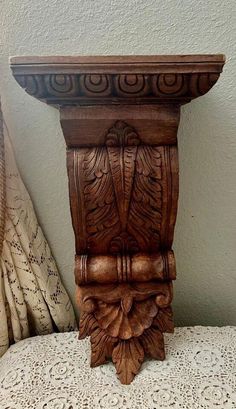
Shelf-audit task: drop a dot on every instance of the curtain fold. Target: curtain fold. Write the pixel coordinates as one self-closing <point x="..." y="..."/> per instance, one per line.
<point x="32" y="297"/>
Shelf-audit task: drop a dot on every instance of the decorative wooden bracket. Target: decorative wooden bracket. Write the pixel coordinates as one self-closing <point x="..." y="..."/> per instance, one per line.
<point x="120" y="118"/>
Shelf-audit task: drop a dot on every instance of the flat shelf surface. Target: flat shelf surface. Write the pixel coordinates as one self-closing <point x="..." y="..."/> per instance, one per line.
<point x="130" y="64"/>
<point x="125" y="59"/>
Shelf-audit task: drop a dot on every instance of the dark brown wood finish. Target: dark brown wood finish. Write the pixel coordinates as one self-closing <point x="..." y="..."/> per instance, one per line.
<point x="120" y="118"/>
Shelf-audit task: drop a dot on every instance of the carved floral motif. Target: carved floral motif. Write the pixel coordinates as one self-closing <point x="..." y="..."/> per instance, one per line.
<point x="125" y="322"/>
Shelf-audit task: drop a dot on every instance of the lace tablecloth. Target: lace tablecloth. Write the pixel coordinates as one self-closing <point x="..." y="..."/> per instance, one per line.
<point x="52" y="372"/>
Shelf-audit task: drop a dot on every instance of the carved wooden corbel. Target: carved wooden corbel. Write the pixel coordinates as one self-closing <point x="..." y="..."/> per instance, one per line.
<point x="120" y="118"/>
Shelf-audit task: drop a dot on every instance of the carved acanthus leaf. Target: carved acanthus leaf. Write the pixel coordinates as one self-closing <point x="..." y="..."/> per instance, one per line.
<point x="153" y="343"/>
<point x="122" y="134"/>
<point x="122" y="185"/>
<point x="125" y="321"/>
<point x="164" y="320"/>
<point x="124" y="310"/>
<point x="87" y="324"/>
<point x="127" y="357"/>
<point x="122" y="142"/>
<point x="146" y="204"/>
<point x="100" y="203"/>
<point x="123" y="244"/>
<point x="102" y="346"/>
<point x="123" y="324"/>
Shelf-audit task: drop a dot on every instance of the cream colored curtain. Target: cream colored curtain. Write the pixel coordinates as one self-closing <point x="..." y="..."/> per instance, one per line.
<point x="32" y="297"/>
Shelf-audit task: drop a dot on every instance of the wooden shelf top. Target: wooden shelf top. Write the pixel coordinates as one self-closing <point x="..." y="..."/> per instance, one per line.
<point x="86" y="80"/>
<point x="117" y="59"/>
<point x="112" y="64"/>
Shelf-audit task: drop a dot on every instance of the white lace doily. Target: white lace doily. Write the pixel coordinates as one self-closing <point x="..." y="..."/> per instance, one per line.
<point x="52" y="372"/>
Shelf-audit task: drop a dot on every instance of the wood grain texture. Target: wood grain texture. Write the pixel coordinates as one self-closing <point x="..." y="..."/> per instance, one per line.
<point x="121" y="60"/>
<point x="120" y="117"/>
<point x="87" y="127"/>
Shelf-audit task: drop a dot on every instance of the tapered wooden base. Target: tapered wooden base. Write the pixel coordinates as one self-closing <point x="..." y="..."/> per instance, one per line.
<point x="120" y="118"/>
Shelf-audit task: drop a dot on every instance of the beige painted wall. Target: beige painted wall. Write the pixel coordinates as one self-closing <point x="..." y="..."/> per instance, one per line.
<point x="205" y="239"/>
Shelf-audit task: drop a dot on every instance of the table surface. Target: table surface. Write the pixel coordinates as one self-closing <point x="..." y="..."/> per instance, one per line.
<point x="53" y="372"/>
